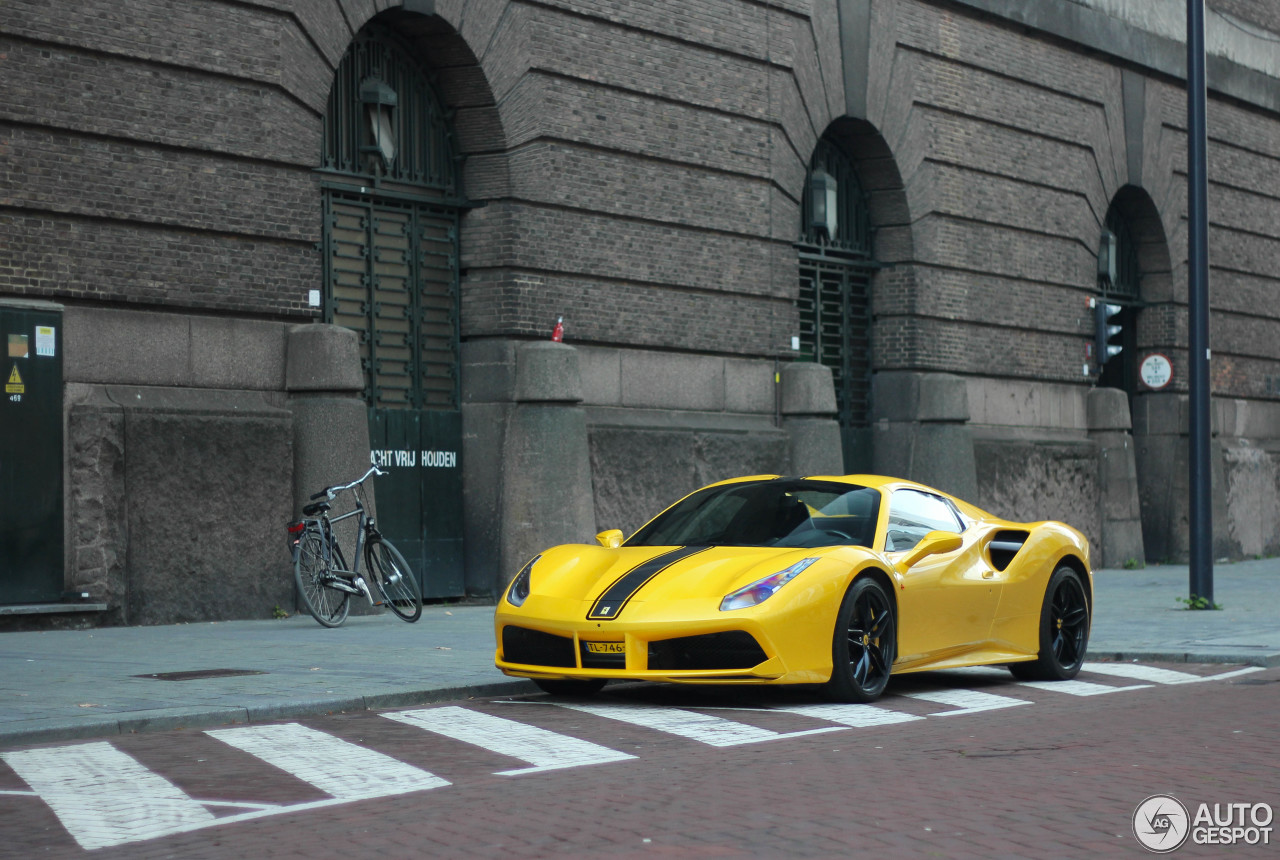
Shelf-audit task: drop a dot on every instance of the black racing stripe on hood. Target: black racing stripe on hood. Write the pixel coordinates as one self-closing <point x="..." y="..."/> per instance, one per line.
<point x="615" y="598"/>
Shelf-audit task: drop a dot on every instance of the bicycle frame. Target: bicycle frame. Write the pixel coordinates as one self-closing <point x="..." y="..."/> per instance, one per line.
<point x="350" y="580"/>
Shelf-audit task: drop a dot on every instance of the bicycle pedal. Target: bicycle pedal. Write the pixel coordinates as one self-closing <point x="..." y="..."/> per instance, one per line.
<point x="364" y="589"/>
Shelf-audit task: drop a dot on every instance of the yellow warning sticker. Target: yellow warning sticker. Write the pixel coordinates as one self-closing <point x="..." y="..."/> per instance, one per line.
<point x="14" y="385"/>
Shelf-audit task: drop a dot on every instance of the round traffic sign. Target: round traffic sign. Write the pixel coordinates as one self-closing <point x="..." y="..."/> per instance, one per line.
<point x="1156" y="371"/>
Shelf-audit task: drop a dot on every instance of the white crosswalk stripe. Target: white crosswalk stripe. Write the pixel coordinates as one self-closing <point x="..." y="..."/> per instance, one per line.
<point x="340" y="769"/>
<point x="968" y="701"/>
<point x="1079" y="688"/>
<point x="104" y="797"/>
<point x="704" y="728"/>
<point x="857" y="716"/>
<point x="543" y="749"/>
<point x="1162" y="676"/>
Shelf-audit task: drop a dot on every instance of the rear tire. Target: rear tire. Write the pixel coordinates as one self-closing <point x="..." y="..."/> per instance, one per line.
<point x="396" y="581"/>
<point x="326" y="605"/>
<point x="863" y="644"/>
<point x="571" y="688"/>
<point x="1064" y="631"/>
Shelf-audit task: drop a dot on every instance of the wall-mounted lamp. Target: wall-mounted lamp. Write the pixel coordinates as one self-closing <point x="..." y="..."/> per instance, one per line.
<point x="822" y="201"/>
<point x="380" y="103"/>
<point x="1107" y="259"/>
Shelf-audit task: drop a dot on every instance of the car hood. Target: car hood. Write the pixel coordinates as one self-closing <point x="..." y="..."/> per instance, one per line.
<point x="668" y="574"/>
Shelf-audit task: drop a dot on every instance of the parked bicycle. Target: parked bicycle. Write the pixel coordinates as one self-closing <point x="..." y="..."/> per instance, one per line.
<point x="320" y="568"/>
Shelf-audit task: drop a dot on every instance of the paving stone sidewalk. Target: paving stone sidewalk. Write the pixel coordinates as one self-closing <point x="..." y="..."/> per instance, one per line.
<point x="60" y="685"/>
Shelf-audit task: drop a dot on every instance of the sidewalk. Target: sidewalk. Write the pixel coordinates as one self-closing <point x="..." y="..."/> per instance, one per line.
<point x="68" y="684"/>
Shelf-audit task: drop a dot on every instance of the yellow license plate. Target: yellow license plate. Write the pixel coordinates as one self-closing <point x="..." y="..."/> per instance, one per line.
<point x="606" y="647"/>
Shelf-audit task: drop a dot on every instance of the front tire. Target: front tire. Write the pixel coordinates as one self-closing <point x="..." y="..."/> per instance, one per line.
<point x="1064" y="631"/>
<point x="863" y="644"/>
<point x="327" y="605"/>
<point x="571" y="688"/>
<point x="395" y="579"/>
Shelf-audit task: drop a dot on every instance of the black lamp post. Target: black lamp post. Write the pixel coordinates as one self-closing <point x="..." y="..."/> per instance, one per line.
<point x="1201" y="475"/>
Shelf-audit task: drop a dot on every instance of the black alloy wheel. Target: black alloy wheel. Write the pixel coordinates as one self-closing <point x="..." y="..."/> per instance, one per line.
<point x="863" y="645"/>
<point x="1064" y="631"/>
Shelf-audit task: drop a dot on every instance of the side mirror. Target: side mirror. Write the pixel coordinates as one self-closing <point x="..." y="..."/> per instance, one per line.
<point x="931" y="544"/>
<point x="610" y="539"/>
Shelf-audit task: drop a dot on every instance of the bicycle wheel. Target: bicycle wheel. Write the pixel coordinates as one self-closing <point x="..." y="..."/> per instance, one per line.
<point x="329" y="606"/>
<point x="396" y="580"/>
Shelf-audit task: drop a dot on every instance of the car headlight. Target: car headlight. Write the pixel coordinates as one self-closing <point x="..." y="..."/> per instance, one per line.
<point x="762" y="589"/>
<point x="519" y="589"/>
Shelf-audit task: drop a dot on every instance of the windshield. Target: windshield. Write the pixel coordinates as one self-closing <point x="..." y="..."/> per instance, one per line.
<point x="786" y="512"/>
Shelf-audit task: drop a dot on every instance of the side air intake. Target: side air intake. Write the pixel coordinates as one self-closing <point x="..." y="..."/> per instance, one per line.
<point x="1004" y="546"/>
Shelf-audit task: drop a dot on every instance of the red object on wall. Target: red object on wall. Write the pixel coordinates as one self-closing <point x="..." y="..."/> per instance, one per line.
<point x="557" y="333"/>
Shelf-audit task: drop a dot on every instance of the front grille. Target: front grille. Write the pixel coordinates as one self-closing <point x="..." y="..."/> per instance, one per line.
<point x="535" y="648"/>
<point x="735" y="649"/>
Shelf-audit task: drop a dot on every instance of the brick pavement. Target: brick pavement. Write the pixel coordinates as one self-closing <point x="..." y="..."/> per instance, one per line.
<point x="1059" y="777"/>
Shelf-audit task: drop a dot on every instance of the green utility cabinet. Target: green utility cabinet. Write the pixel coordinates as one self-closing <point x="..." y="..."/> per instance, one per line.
<point x="31" y="535"/>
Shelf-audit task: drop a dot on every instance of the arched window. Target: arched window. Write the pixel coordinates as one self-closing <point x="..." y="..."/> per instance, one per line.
<point x="834" y="296"/>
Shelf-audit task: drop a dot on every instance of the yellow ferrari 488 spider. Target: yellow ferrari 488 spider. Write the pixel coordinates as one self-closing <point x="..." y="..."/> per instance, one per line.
<point x="838" y="581"/>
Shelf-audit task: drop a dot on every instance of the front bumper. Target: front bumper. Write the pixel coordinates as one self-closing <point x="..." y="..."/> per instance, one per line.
<point x="731" y="648"/>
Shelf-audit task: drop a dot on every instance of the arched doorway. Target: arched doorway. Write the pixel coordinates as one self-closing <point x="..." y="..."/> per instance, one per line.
<point x="391" y="191"/>
<point x="1138" y="278"/>
<point x="834" y="300"/>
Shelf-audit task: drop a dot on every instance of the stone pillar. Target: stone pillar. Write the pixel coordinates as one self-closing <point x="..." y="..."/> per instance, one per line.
<point x="330" y="417"/>
<point x="808" y="404"/>
<point x="1120" y="512"/>
<point x="546" y="481"/>
<point x="920" y="430"/>
<point x="488" y="386"/>
<point x="1160" y="422"/>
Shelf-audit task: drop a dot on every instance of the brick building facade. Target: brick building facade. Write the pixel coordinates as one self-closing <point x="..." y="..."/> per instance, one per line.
<point x="643" y="170"/>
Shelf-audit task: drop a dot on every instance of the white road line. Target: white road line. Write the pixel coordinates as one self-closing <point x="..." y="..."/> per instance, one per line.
<point x="1161" y="676"/>
<point x="544" y="750"/>
<point x="238" y="805"/>
<point x="104" y="797"/>
<point x="968" y="701"/>
<point x="342" y="770"/>
<point x="857" y="716"/>
<point x="1079" y="688"/>
<point x="704" y="728"/>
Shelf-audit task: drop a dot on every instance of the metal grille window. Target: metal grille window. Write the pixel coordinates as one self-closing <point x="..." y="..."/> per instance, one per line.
<point x="393" y="278"/>
<point x="384" y="119"/>
<point x="834" y="296"/>
<point x="1127" y="266"/>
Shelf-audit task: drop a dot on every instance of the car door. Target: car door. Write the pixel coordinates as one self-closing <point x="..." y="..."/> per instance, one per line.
<point x="946" y="601"/>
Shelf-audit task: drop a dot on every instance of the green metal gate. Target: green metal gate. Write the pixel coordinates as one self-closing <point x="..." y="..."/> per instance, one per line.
<point x="31" y="547"/>
<point x="393" y="279"/>
<point x="835" y="330"/>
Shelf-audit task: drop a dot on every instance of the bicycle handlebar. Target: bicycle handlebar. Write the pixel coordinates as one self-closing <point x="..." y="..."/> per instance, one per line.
<point x="330" y="492"/>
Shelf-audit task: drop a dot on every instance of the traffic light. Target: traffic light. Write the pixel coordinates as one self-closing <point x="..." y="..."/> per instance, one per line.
<point x="1105" y="330"/>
